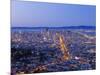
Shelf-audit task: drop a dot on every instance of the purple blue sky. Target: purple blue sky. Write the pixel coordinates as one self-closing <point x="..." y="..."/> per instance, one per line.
<point x="36" y="14"/>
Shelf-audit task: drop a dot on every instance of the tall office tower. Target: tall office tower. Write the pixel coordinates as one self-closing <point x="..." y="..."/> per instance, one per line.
<point x="46" y="35"/>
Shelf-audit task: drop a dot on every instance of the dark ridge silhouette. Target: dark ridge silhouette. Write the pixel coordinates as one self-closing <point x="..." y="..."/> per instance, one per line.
<point x="64" y="27"/>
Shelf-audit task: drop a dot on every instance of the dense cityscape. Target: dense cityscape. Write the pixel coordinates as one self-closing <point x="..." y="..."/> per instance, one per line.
<point x="52" y="50"/>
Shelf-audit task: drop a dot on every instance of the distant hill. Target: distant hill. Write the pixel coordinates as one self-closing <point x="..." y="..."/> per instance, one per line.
<point x="80" y="27"/>
<point x="64" y="27"/>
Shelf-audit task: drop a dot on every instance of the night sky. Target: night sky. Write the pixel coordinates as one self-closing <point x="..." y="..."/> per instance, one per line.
<point x="41" y="14"/>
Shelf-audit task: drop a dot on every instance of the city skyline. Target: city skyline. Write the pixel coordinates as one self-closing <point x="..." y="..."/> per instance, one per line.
<point x="42" y="14"/>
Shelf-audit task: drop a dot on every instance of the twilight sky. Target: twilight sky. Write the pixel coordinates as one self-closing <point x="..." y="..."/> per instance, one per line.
<point x="36" y="14"/>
